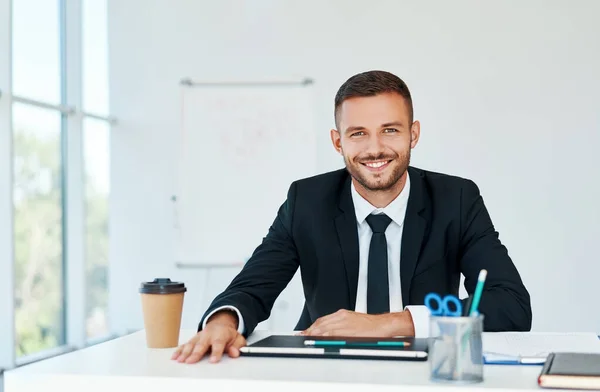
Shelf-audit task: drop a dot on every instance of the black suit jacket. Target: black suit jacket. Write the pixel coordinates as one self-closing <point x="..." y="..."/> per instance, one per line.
<point x="447" y="231"/>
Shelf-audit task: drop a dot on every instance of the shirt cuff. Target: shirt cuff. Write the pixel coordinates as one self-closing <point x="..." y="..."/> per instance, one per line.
<point x="241" y="325"/>
<point x="420" y="316"/>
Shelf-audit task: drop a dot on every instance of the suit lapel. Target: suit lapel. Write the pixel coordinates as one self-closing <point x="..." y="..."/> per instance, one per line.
<point x="347" y="231"/>
<point x="412" y="234"/>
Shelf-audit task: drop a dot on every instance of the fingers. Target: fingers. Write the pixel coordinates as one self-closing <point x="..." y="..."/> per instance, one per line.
<point x="326" y="323"/>
<point x="198" y="352"/>
<point x="233" y="352"/>
<point x="217" y="340"/>
<point x="218" y="346"/>
<point x="310" y="331"/>
<point x="186" y="351"/>
<point x="230" y="346"/>
<point x="234" y="349"/>
<point x="331" y="329"/>
<point x="314" y="328"/>
<point x="183" y="347"/>
<point x="177" y="352"/>
<point x="319" y="330"/>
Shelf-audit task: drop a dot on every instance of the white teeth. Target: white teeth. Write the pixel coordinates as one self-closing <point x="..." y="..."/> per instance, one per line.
<point x="376" y="164"/>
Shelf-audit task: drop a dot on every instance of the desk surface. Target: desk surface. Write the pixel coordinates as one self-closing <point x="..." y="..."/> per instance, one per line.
<point x="127" y="363"/>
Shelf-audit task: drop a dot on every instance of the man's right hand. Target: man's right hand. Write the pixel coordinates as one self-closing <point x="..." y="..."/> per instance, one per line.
<point x="219" y="336"/>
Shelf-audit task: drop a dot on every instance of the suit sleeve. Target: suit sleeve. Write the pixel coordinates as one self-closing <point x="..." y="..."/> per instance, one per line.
<point x="264" y="276"/>
<point x="505" y="302"/>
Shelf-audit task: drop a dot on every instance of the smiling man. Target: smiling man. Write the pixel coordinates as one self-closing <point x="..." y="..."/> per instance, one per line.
<point x="371" y="240"/>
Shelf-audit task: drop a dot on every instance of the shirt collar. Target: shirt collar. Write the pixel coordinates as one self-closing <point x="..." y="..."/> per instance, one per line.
<point x="395" y="210"/>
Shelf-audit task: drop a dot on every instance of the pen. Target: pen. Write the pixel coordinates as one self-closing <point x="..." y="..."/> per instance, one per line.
<point x="478" y="290"/>
<point x="514" y="361"/>
<point x="333" y="343"/>
<point x="467" y="306"/>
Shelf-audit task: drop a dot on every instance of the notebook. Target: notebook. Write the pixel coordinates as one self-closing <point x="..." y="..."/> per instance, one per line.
<point x="571" y="371"/>
<point x="523" y="348"/>
<point x="293" y="346"/>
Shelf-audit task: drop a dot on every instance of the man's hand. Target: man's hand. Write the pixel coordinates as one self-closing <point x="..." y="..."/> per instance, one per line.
<point x="348" y="323"/>
<point x="219" y="336"/>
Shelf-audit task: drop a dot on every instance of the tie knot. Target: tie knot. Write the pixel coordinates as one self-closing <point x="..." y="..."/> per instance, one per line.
<point x="378" y="222"/>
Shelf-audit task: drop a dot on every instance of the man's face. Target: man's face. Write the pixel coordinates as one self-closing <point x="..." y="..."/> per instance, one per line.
<point x="375" y="137"/>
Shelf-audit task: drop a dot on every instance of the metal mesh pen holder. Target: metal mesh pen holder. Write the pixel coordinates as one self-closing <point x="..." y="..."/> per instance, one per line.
<point x="455" y="349"/>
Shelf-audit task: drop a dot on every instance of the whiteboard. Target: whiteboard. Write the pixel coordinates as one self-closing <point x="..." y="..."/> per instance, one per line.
<point x="240" y="148"/>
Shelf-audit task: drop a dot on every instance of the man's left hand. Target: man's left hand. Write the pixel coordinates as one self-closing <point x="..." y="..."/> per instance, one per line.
<point x="348" y="323"/>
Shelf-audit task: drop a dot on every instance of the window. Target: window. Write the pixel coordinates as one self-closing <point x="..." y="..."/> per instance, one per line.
<point x="36" y="50"/>
<point x="97" y="187"/>
<point x="38" y="229"/>
<point x="54" y="177"/>
<point x="96" y="131"/>
<point x="38" y="180"/>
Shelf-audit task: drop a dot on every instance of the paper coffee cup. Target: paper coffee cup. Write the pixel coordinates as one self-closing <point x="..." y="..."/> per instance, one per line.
<point x="162" y="304"/>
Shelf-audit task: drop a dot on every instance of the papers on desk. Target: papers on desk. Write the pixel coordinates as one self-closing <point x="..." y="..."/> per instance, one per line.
<point x="532" y="348"/>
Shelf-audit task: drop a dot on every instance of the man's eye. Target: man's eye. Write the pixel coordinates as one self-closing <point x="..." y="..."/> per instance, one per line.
<point x="390" y="130"/>
<point x="357" y="134"/>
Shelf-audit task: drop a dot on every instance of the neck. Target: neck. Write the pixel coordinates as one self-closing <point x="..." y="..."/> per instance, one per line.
<point x="383" y="198"/>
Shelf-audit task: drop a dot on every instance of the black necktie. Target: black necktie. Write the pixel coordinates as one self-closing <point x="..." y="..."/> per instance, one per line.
<point x="378" y="288"/>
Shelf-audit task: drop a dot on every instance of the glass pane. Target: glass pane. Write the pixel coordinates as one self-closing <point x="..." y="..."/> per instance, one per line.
<point x="95" y="57"/>
<point x="38" y="225"/>
<point x="36" y="49"/>
<point x="96" y="143"/>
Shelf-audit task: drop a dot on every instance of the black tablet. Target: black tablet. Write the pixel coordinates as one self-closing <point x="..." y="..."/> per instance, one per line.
<point x="412" y="349"/>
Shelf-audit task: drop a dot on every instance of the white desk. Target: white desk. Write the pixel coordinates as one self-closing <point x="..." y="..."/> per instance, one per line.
<point x="125" y="364"/>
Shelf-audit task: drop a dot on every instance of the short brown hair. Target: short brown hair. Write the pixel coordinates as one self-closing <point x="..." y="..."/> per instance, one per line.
<point x="371" y="83"/>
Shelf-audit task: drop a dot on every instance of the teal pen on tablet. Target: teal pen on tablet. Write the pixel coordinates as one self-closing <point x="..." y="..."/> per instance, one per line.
<point x="344" y="343"/>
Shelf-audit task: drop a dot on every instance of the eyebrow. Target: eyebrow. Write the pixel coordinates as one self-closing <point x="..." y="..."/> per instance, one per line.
<point x="355" y="128"/>
<point x="386" y="125"/>
<point x="392" y="124"/>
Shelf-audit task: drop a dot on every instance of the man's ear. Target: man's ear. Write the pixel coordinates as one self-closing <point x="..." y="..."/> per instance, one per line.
<point x="336" y="140"/>
<point x="415" y="133"/>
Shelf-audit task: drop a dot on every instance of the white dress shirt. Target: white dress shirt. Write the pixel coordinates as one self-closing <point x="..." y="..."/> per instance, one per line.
<point x="396" y="210"/>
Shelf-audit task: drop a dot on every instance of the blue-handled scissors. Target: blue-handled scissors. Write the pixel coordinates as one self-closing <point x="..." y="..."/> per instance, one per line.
<point x="449" y="306"/>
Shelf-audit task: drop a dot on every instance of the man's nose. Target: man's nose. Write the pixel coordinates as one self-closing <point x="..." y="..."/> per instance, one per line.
<point x="375" y="144"/>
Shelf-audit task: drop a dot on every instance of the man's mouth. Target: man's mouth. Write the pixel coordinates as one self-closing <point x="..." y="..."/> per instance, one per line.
<point x="376" y="165"/>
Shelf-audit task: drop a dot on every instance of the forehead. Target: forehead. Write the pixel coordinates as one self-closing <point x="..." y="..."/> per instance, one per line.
<point x="373" y="111"/>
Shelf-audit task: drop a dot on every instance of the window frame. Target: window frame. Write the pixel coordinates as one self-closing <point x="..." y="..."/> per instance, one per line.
<point x="74" y="261"/>
<point x="7" y="336"/>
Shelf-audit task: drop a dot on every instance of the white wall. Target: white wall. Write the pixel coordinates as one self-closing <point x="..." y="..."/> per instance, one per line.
<point x="507" y="93"/>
